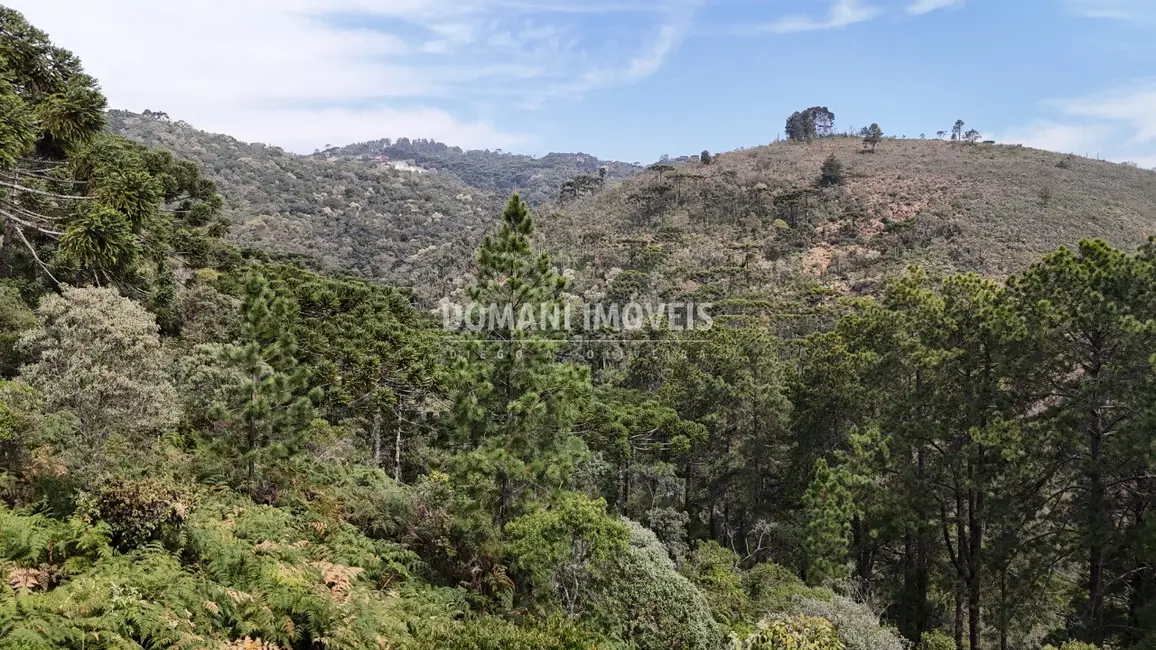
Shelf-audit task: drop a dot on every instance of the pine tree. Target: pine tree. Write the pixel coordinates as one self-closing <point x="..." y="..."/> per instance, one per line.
<point x="271" y="407"/>
<point x="515" y="403"/>
<point x="872" y="137"/>
<point x="828" y="510"/>
<point x="1092" y="322"/>
<point x="957" y="131"/>
<point x="831" y="174"/>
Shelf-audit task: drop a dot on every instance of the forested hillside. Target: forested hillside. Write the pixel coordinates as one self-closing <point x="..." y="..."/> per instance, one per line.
<point x="368" y="220"/>
<point x="203" y="446"/>
<point x="538" y="179"/>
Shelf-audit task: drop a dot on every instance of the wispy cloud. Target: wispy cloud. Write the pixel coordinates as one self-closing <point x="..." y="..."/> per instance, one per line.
<point x="300" y="73"/>
<point x="842" y="13"/>
<point x="1132" y="108"/>
<point x="920" y="7"/>
<point x="1128" y="10"/>
<point x="1059" y="136"/>
<point x="1118" y="125"/>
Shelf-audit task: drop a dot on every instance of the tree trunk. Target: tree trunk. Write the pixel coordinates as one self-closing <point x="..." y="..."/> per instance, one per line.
<point x="375" y="437"/>
<point x="961" y="566"/>
<point x="397" y="449"/>
<point x="1096" y="496"/>
<point x="975" y="545"/>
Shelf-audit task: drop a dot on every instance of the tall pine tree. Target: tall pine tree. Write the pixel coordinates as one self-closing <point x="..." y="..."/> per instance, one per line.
<point x="516" y="403"/>
<point x="828" y="509"/>
<point x="271" y="407"/>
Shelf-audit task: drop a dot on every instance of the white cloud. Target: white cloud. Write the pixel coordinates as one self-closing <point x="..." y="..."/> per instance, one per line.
<point x="842" y="14"/>
<point x="1081" y="139"/>
<point x="300" y="73"/>
<point x="1119" y="125"/>
<point x="1130" y="10"/>
<point x="920" y="7"/>
<point x="1133" y="108"/>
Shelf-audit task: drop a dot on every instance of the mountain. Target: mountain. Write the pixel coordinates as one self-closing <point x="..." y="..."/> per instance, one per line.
<point x="366" y="219"/>
<point x="538" y="179"/>
<point x="754" y="223"/>
<point x="751" y="224"/>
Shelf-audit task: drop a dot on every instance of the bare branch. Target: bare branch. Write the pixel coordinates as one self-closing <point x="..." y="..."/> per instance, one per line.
<point x="43" y="193"/>
<point x="36" y="257"/>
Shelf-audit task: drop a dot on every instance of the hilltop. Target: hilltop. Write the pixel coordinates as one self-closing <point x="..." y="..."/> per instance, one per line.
<point x="538" y="179"/>
<point x="754" y="223"/>
<point x="751" y="224"/>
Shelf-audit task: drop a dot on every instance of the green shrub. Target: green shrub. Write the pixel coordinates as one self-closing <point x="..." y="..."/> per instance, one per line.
<point x="857" y="625"/>
<point x="564" y="551"/>
<point x="795" y="633"/>
<point x="650" y="604"/>
<point x="138" y="511"/>
<point x="936" y="640"/>
<point x="713" y="570"/>
<point x="773" y="589"/>
<point x="1072" y="645"/>
<point x="490" y="633"/>
<point x="832" y="174"/>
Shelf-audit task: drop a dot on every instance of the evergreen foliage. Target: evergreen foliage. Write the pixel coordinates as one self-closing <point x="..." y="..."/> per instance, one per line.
<point x="204" y="448"/>
<point x="266" y="418"/>
<point x="828" y="510"/>
<point x="83" y="205"/>
<point x="831" y="174"/>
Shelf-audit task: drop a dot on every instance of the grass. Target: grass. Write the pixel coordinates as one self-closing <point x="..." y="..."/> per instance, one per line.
<point x="991" y="209"/>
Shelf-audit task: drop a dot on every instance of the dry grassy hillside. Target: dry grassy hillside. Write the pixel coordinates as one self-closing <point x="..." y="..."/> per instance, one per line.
<point x="753" y="223"/>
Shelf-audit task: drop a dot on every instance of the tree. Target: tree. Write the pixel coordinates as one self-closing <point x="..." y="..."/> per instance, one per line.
<point x="705" y="157"/>
<point x="85" y="205"/>
<point x="98" y="355"/>
<point x="957" y="131"/>
<point x="515" y="404"/>
<point x="823" y="119"/>
<point x="375" y="354"/>
<point x="801" y="126"/>
<point x="266" y="416"/>
<point x="811" y="123"/>
<point x="15" y="319"/>
<point x="972" y="136"/>
<point x="827" y="510"/>
<point x="872" y="137"/>
<point x="831" y="174"/>
<point x="566" y="551"/>
<point x="1090" y="315"/>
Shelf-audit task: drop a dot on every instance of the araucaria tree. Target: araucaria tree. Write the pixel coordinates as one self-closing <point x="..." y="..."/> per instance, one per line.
<point x="78" y="204"/>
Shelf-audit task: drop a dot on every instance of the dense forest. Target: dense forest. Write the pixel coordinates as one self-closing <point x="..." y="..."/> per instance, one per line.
<point x="206" y="446"/>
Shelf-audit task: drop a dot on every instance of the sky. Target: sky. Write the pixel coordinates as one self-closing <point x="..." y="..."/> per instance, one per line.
<point x="625" y="80"/>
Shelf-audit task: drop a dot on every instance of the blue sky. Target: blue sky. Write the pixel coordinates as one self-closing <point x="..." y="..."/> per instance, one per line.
<point x="625" y="79"/>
